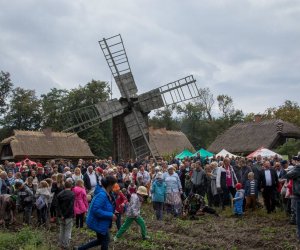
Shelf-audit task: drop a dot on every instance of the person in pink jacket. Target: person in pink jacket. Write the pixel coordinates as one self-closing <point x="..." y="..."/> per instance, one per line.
<point x="80" y="203"/>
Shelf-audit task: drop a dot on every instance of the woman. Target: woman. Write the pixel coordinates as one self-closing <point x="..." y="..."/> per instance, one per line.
<point x="174" y="191"/>
<point x="218" y="183"/>
<point x="101" y="214"/>
<point x="80" y="203"/>
<point x="126" y="177"/>
<point x="158" y="191"/>
<point x="77" y="175"/>
<point x="56" y="188"/>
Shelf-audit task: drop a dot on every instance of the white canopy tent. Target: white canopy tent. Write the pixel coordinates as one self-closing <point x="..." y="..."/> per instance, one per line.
<point x="224" y="153"/>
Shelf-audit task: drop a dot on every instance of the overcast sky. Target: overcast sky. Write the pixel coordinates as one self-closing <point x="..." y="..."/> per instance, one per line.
<point x="249" y="50"/>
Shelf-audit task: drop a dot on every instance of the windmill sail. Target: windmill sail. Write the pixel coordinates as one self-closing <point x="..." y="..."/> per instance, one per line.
<point x="172" y="93"/>
<point x="84" y="118"/>
<point x="117" y="60"/>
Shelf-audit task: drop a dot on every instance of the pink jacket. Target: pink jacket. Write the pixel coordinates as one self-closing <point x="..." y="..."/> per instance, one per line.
<point x="80" y="203"/>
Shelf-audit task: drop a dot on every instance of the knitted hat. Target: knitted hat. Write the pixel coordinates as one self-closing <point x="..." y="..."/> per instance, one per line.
<point x="116" y="187"/>
<point x="238" y="186"/>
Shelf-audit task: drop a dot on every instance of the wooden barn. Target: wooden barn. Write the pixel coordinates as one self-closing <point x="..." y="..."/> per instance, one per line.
<point x="169" y="141"/>
<point x="245" y="137"/>
<point x="44" y="145"/>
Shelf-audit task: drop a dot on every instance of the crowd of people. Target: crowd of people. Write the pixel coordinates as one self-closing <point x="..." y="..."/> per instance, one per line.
<point x="101" y="192"/>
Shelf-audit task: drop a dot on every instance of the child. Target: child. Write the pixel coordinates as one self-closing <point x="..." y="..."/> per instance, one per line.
<point x="42" y="202"/>
<point x="80" y="203"/>
<point x="158" y="192"/>
<point x="131" y="189"/>
<point x="24" y="201"/>
<point x="251" y="192"/>
<point x="238" y="199"/>
<point x="121" y="202"/>
<point x="65" y="213"/>
<point x="133" y="213"/>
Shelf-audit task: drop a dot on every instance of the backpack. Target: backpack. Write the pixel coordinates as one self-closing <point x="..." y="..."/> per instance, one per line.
<point x="40" y="202"/>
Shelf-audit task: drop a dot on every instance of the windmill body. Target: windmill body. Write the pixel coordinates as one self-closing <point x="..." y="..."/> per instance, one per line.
<point x="130" y="112"/>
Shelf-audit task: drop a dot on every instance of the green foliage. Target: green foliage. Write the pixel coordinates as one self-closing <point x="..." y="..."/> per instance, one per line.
<point x="290" y="148"/>
<point x="163" y="119"/>
<point x="24" y="110"/>
<point x="24" y="239"/>
<point x="5" y="89"/>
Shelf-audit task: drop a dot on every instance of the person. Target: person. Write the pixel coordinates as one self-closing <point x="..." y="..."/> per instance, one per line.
<point x="251" y="192"/>
<point x="294" y="175"/>
<point x="101" y="214"/>
<point x="121" y="202"/>
<point x="65" y="214"/>
<point x="80" y="203"/>
<point x="133" y="213"/>
<point x="195" y="203"/>
<point x="174" y="191"/>
<point x="158" y="191"/>
<point x="7" y="209"/>
<point x="218" y="183"/>
<point x="231" y="181"/>
<point x="198" y="179"/>
<point x="24" y="201"/>
<point x="268" y="182"/>
<point x="238" y="200"/>
<point x="56" y="188"/>
<point x="143" y="177"/>
<point x="90" y="179"/>
<point x="42" y="202"/>
<point x="77" y="174"/>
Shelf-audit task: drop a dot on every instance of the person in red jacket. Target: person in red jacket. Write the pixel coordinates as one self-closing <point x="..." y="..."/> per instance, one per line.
<point x="121" y="202"/>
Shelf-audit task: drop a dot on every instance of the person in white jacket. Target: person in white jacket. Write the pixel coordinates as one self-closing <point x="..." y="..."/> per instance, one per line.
<point x="216" y="183"/>
<point x="43" y="196"/>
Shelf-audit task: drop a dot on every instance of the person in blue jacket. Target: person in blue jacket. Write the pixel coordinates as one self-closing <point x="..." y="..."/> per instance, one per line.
<point x="101" y="214"/>
<point x="158" y="192"/>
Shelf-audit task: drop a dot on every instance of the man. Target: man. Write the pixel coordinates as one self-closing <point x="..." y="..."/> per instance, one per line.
<point x="198" y="180"/>
<point x="294" y="174"/>
<point x="24" y="201"/>
<point x="268" y="182"/>
<point x="90" y="179"/>
<point x="7" y="209"/>
<point x="257" y="167"/>
<point x="65" y="213"/>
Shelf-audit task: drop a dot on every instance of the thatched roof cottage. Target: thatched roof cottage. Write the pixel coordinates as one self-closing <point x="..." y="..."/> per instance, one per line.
<point x="245" y="137"/>
<point x="44" y="145"/>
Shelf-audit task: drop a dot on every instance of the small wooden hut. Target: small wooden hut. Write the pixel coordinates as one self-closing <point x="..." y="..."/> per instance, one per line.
<point x="246" y="137"/>
<point x="44" y="145"/>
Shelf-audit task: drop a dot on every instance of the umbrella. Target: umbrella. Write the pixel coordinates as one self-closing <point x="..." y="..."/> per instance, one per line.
<point x="30" y="162"/>
<point x="183" y="154"/>
<point x="204" y="153"/>
<point x="264" y="152"/>
<point x="225" y="153"/>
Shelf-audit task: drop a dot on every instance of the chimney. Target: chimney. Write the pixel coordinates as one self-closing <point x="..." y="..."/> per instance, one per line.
<point x="257" y="118"/>
<point x="47" y="132"/>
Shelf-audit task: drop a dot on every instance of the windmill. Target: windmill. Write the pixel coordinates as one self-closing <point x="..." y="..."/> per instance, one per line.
<point x="130" y="112"/>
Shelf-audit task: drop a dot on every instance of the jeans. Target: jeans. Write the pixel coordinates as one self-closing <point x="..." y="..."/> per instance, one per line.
<point x="118" y="221"/>
<point x="297" y="200"/>
<point x="79" y="220"/>
<point x="42" y="215"/>
<point x="102" y="239"/>
<point x="27" y="214"/>
<point x="139" y="220"/>
<point x="65" y="231"/>
<point x="158" y="207"/>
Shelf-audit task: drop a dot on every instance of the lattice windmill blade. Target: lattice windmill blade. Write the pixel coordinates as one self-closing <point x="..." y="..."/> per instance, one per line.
<point x="172" y="93"/>
<point x="117" y="60"/>
<point x="87" y="117"/>
<point x="139" y="133"/>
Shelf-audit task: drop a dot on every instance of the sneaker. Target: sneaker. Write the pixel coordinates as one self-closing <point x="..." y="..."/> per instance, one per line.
<point x="146" y="238"/>
<point x="115" y="239"/>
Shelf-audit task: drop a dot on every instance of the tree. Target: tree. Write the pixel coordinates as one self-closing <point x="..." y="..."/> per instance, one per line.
<point x="207" y="101"/>
<point x="225" y="104"/>
<point x="163" y="118"/>
<point x="24" y="110"/>
<point x="289" y="111"/>
<point x="5" y="89"/>
<point x="53" y="106"/>
<point x="290" y="148"/>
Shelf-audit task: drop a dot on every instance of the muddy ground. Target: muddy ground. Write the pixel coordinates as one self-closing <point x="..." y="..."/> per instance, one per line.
<point x="257" y="230"/>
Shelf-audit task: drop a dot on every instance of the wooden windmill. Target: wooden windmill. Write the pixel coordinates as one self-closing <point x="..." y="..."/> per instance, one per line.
<point x="130" y="112"/>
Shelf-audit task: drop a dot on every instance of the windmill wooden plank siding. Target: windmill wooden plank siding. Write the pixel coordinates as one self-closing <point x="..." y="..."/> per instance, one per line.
<point x="40" y="145"/>
<point x="249" y="136"/>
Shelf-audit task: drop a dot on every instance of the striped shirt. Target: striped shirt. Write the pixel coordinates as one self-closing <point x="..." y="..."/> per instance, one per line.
<point x="252" y="187"/>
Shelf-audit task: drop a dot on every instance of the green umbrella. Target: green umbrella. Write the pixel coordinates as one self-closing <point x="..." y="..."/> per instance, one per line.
<point x="183" y="154"/>
<point x="203" y="153"/>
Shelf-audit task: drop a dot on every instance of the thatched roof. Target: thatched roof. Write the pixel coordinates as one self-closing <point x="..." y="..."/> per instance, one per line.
<point x="249" y="136"/>
<point x="168" y="141"/>
<point x="47" y="144"/>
